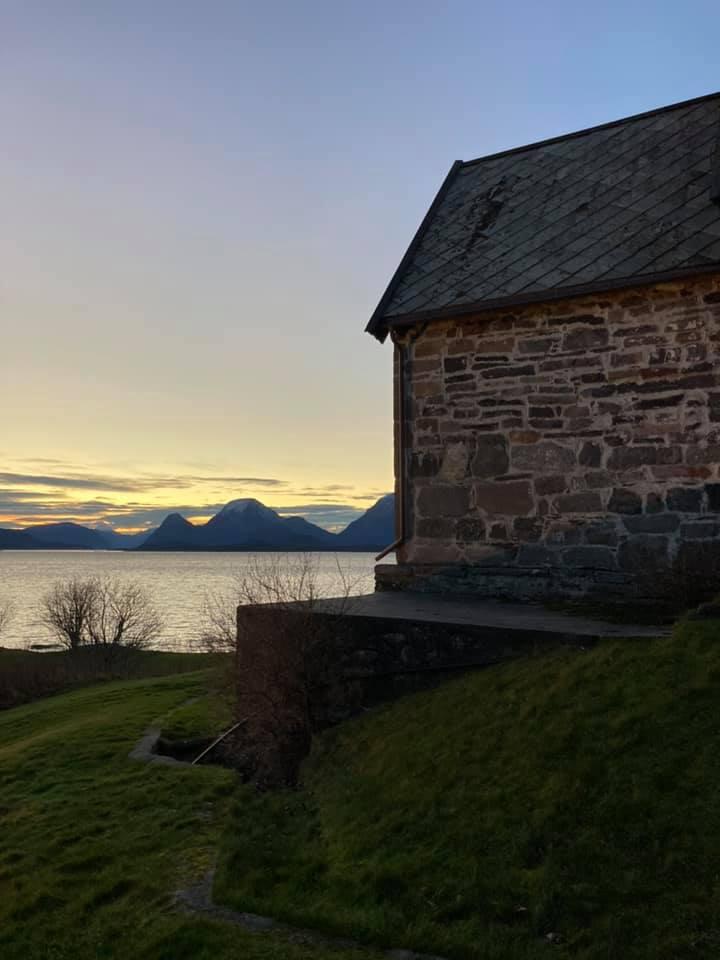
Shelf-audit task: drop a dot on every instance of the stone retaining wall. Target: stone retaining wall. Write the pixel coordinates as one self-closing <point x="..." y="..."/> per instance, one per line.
<point x="299" y="671"/>
<point x="565" y="449"/>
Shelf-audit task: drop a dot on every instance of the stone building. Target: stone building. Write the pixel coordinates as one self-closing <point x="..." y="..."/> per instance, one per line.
<point x="556" y="328"/>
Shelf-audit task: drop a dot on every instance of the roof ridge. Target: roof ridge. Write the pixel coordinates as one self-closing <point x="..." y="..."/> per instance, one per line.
<point x="572" y="135"/>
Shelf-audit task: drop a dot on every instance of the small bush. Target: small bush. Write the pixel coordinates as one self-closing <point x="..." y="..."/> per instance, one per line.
<point x="112" y="616"/>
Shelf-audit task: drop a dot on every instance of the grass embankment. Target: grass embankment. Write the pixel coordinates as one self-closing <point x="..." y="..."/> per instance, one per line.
<point x="26" y="675"/>
<point x="93" y="845"/>
<point x="576" y="795"/>
<point x="206" y="716"/>
<point x="568" y="804"/>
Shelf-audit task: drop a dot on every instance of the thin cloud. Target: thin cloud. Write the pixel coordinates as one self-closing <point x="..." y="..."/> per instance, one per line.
<point x="47" y="461"/>
<point x="19" y="496"/>
<point x="332" y="516"/>
<point x="128" y="484"/>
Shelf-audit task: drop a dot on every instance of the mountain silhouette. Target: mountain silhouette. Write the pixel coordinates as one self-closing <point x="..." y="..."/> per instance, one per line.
<point x="240" y="525"/>
<point x="244" y="524"/>
<point x="18" y="540"/>
<point x="374" y="529"/>
<point x="174" y="533"/>
<point x="64" y="536"/>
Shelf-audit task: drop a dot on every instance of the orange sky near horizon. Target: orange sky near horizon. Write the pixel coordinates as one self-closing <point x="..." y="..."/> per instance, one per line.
<point x="49" y="490"/>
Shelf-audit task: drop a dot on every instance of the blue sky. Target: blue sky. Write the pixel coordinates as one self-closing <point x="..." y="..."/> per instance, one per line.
<point x="203" y="202"/>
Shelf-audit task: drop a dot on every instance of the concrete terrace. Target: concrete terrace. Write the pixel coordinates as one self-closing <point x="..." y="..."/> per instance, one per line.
<point x="496" y="617"/>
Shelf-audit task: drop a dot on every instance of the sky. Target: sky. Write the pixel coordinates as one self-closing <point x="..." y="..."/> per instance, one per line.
<point x="202" y="203"/>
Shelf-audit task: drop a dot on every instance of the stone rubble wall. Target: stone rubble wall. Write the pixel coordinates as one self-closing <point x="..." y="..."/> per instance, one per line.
<point x="575" y="443"/>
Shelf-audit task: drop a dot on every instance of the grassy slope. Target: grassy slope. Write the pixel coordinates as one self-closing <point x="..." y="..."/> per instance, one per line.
<point x="577" y="795"/>
<point x="207" y="716"/>
<point x="27" y="675"/>
<point x="92" y="844"/>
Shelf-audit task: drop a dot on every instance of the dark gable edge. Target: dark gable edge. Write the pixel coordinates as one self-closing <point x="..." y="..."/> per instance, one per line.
<point x="573" y="135"/>
<point x="377" y="326"/>
<point x="715" y="186"/>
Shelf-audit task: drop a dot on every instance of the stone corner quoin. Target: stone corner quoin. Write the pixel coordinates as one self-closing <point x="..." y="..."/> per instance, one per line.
<point x="579" y="438"/>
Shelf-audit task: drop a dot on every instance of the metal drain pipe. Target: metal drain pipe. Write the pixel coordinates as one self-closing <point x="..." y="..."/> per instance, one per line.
<point x="400" y="448"/>
<point x="402" y="380"/>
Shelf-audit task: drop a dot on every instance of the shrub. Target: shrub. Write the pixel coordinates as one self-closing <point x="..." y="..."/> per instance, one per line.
<point x="112" y="616"/>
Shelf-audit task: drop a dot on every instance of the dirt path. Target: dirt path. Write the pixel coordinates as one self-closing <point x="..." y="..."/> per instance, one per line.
<point x="198" y="900"/>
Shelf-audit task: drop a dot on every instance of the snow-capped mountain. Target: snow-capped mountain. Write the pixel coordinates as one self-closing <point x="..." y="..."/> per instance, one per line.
<point x="241" y="525"/>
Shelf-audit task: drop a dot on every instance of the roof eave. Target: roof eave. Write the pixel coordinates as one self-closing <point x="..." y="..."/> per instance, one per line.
<point x="542" y="296"/>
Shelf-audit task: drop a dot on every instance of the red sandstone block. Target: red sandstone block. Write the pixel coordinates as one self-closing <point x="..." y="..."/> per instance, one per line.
<point x="525" y="436"/>
<point x="427" y="424"/>
<point x="641" y="330"/>
<point x="644" y="341"/>
<point x="429" y="365"/>
<point x="687" y="322"/>
<point x="462" y="346"/>
<point x="630" y="373"/>
<point x="429" y="347"/>
<point x="626" y="359"/>
<point x="511" y="498"/>
<point x="695" y="352"/>
<point x="484" y="347"/>
<point x="663" y="355"/>
<point x="428" y="388"/>
<point x="680" y="471"/>
<point x="659" y="373"/>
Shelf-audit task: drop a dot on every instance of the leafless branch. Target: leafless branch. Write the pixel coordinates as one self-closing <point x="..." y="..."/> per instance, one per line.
<point x="66" y="610"/>
<point x="7" y="612"/>
<point x="110" y="615"/>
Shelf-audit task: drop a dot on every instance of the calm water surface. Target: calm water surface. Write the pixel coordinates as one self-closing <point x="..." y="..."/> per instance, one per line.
<point x="177" y="582"/>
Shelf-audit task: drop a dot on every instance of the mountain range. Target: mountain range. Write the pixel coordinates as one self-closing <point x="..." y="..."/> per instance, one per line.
<point x="240" y="525"/>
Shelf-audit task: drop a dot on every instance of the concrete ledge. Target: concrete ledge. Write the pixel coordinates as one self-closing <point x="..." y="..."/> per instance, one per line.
<point x="384" y="645"/>
<point x="532" y="621"/>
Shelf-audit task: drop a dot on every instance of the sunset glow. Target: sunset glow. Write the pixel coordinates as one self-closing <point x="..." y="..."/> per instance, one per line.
<point x="50" y="492"/>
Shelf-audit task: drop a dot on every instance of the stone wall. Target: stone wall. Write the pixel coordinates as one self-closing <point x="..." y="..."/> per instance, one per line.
<point x="565" y="449"/>
<point x="299" y="670"/>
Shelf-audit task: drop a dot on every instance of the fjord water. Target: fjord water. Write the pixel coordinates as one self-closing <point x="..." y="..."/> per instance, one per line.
<point x="178" y="583"/>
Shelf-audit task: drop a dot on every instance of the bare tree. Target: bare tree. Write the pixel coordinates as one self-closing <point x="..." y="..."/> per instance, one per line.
<point x="280" y="659"/>
<point x="7" y="611"/>
<point x="109" y="615"/>
<point x="67" y="608"/>
<point x="219" y="622"/>
<point x="121" y="617"/>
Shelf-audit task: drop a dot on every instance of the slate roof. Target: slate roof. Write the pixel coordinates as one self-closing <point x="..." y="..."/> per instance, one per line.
<point x="626" y="202"/>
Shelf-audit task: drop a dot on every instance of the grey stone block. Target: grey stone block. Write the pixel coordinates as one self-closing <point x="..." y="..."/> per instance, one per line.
<point x="643" y="553"/>
<point x="602" y="558"/>
<point x="625" y="501"/>
<point x="654" y="523"/>
<point x="491" y="456"/>
<point x="685" y="499"/>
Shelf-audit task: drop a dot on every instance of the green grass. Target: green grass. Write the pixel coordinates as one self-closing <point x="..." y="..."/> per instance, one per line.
<point x="27" y="675"/>
<point x="93" y="845"/>
<point x="206" y="716"/>
<point x="576" y="795"/>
